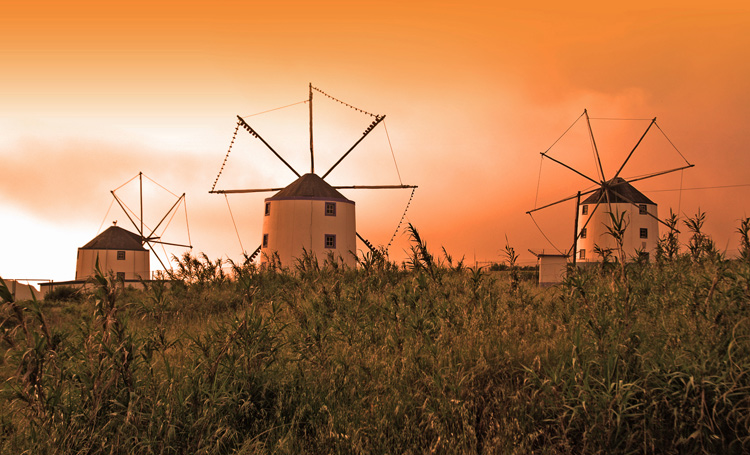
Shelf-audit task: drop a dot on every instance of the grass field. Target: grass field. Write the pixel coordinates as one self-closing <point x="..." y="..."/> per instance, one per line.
<point x="432" y="357"/>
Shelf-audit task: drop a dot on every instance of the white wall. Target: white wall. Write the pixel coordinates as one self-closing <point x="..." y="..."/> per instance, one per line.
<point x="552" y="269"/>
<point x="135" y="265"/>
<point x="596" y="231"/>
<point x="294" y="224"/>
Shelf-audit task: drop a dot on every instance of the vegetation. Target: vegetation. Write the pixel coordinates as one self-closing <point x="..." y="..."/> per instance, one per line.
<point x="430" y="358"/>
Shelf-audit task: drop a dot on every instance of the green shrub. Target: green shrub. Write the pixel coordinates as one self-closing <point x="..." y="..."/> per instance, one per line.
<point x="64" y="294"/>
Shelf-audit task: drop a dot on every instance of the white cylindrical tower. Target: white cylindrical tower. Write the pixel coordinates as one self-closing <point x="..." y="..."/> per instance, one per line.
<point x="641" y="215"/>
<point x="119" y="251"/>
<point x="310" y="215"/>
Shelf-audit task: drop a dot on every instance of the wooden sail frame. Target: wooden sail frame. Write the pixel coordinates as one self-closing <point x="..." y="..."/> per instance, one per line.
<point x="150" y="239"/>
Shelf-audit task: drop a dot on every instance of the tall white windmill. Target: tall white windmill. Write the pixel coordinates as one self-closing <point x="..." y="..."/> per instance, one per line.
<point x="619" y="198"/>
<point x="309" y="214"/>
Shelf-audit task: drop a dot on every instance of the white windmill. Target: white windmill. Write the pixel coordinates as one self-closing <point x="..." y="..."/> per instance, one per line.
<point x="127" y="253"/>
<point x="309" y="214"/>
<point x="620" y="199"/>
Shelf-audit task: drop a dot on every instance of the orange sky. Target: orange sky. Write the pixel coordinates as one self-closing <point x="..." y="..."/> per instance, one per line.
<point x="93" y="92"/>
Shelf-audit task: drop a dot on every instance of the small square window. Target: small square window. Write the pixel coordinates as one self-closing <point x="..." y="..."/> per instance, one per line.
<point x="268" y="208"/>
<point x="583" y="233"/>
<point x="265" y="240"/>
<point x="644" y="233"/>
<point x="120" y="255"/>
<point x="642" y="209"/>
<point x="330" y="241"/>
<point x="582" y="253"/>
<point x="330" y="209"/>
<point x="584" y="209"/>
<point x="121" y="276"/>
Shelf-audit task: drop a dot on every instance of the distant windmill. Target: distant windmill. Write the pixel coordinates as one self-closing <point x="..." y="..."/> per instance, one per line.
<point x="309" y="214"/>
<point x="620" y="197"/>
<point x="124" y="252"/>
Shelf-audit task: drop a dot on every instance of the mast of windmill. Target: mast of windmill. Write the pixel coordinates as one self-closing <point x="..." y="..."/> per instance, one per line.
<point x="312" y="154"/>
<point x="605" y="191"/>
<point x="306" y="185"/>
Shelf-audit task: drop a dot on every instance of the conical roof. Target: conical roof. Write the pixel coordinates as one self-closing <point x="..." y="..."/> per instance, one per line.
<point x="619" y="191"/>
<point x="115" y="238"/>
<point x="309" y="186"/>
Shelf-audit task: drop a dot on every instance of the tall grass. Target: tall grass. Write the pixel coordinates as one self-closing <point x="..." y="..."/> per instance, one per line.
<point x="432" y="358"/>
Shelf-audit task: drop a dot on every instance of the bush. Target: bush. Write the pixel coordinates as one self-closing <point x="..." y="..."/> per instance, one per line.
<point x="64" y="294"/>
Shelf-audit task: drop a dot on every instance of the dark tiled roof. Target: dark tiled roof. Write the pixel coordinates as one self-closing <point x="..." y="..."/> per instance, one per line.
<point x="309" y="186"/>
<point x="619" y="191"/>
<point x="115" y="238"/>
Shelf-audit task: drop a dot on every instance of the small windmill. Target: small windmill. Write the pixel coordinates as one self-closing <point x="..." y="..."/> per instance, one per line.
<point x="309" y="214"/>
<point x="153" y="236"/>
<point x="621" y="199"/>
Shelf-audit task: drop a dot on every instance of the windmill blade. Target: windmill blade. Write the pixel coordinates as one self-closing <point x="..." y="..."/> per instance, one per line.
<point x="167" y="214"/>
<point x="170" y="244"/>
<point x="252" y="257"/>
<point x="656" y="174"/>
<point x="374" y="187"/>
<point x="153" y="250"/>
<point x="255" y="134"/>
<point x="596" y="149"/>
<point x="249" y="190"/>
<point x="368" y="244"/>
<point x="339" y="187"/>
<point x="378" y="119"/>
<point x="544" y="154"/>
<point x="635" y="147"/>
<point x="563" y="200"/>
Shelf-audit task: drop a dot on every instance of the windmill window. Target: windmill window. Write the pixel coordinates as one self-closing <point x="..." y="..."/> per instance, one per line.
<point x="265" y="240"/>
<point x="330" y="209"/>
<point x="642" y="209"/>
<point x="583" y="233"/>
<point x="644" y="233"/>
<point x="330" y="241"/>
<point x="120" y="255"/>
<point x="268" y="208"/>
<point x="582" y="253"/>
<point x="584" y="210"/>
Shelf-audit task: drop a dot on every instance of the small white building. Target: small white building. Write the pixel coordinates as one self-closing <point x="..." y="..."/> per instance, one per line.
<point x="308" y="214"/>
<point x="641" y="216"/>
<point x="552" y="268"/>
<point x="119" y="251"/>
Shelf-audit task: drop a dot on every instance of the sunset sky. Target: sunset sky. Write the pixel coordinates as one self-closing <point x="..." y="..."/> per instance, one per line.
<point x="93" y="92"/>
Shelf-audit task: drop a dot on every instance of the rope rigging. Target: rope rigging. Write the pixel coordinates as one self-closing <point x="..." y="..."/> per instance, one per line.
<point x="234" y="223"/>
<point x="545" y="235"/>
<point x="408" y="203"/>
<point x="392" y="154"/>
<point x="226" y="157"/>
<point x="344" y="103"/>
